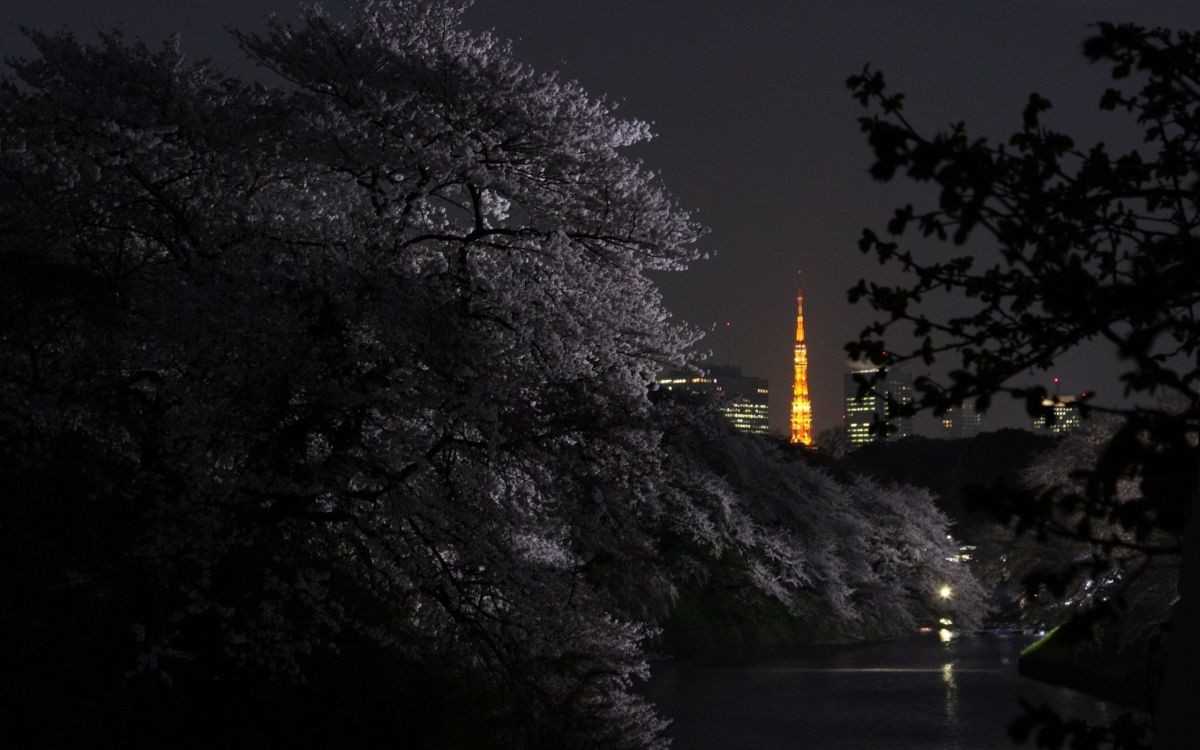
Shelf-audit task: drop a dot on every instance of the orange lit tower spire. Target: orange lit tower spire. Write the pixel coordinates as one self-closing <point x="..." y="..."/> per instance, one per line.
<point x="801" y="404"/>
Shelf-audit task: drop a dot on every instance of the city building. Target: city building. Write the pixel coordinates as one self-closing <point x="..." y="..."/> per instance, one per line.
<point x="961" y="421"/>
<point x="801" y="421"/>
<point x="1066" y="416"/>
<point x="1066" y="413"/>
<point x="862" y="412"/>
<point x="743" y="399"/>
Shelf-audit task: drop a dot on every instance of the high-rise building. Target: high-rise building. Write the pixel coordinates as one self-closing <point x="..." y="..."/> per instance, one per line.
<point x="801" y="403"/>
<point x="742" y="399"/>
<point x="1066" y="413"/>
<point x="961" y="421"/>
<point x="862" y="412"/>
<point x="1066" y="416"/>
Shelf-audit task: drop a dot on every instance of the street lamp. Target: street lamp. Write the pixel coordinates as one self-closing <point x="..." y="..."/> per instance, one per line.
<point x="945" y="592"/>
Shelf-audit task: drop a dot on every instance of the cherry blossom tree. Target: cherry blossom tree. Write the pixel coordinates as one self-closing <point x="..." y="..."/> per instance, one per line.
<point x="863" y="559"/>
<point x="362" y="356"/>
<point x="1106" y="576"/>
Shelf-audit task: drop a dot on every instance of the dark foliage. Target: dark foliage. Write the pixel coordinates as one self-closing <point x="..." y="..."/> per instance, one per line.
<point x="1050" y="730"/>
<point x="1085" y="244"/>
<point x="949" y="468"/>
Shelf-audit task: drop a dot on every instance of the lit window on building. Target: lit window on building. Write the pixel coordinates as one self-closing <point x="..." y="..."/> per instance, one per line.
<point x="743" y="399"/>
<point x="860" y="413"/>
<point x="961" y="421"/>
<point x="1066" y="416"/>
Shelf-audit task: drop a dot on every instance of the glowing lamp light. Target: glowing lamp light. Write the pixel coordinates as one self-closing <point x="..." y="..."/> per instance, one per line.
<point x="945" y="592"/>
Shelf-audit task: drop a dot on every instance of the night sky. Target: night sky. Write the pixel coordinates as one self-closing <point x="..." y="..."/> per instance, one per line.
<point x="755" y="129"/>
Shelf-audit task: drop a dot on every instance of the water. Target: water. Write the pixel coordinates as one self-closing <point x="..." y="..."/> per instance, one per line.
<point x="916" y="693"/>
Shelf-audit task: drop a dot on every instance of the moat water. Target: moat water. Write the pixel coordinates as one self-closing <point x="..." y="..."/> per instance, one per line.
<point x="917" y="693"/>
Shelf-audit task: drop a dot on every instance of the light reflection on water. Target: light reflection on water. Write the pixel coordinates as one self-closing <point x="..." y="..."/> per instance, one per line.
<point x="951" y="699"/>
<point x="918" y="693"/>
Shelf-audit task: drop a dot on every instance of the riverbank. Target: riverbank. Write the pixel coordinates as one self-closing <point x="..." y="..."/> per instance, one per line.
<point x="1117" y="675"/>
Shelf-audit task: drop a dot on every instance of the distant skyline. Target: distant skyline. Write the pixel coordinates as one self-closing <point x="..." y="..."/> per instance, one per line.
<point x="756" y="131"/>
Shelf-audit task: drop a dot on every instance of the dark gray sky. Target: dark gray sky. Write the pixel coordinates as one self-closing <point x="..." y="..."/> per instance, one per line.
<point x="755" y="130"/>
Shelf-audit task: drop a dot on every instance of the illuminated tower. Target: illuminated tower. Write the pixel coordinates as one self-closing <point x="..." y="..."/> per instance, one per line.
<point x="801" y="404"/>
